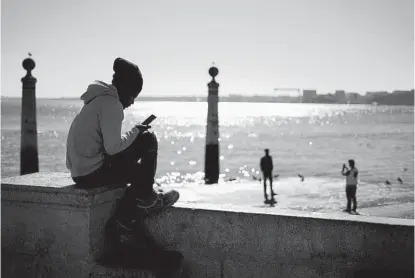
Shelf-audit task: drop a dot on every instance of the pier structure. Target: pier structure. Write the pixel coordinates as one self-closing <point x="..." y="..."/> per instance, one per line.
<point x="29" y="161"/>
<point x="212" y="131"/>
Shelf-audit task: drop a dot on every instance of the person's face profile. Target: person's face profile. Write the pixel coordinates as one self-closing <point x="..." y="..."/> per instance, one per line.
<point x="127" y="100"/>
<point x="127" y="95"/>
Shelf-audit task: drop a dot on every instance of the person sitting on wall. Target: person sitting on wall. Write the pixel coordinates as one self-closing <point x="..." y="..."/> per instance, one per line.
<point x="97" y="154"/>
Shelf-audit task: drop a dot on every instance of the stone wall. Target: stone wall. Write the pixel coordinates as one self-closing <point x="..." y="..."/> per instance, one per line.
<point x="52" y="229"/>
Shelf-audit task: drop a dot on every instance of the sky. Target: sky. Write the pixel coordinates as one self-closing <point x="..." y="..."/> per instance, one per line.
<point x="327" y="45"/>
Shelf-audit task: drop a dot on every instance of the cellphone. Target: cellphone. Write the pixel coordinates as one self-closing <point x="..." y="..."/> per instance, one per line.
<point x="149" y="120"/>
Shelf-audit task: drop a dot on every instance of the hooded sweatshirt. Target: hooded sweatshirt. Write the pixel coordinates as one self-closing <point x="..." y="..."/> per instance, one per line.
<point x="96" y="130"/>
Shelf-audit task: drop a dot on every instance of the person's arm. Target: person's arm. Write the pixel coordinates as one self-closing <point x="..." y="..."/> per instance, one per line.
<point x="261" y="164"/>
<point x="111" y="117"/>
<point x="356" y="173"/>
<point x="271" y="164"/>
<point x="347" y="171"/>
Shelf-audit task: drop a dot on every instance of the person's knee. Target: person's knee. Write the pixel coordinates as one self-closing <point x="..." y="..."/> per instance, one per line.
<point x="149" y="139"/>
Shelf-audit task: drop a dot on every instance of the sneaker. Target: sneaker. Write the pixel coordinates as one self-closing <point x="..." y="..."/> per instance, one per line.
<point x="347" y="210"/>
<point x="131" y="233"/>
<point x="157" y="201"/>
<point x="270" y="201"/>
<point x="132" y="247"/>
<point x="120" y="238"/>
<point x="122" y="234"/>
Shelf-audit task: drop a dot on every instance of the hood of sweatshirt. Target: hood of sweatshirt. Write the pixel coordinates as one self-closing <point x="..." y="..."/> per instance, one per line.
<point x="97" y="89"/>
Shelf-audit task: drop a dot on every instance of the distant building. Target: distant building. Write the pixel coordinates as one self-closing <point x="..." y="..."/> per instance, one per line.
<point x="287" y="99"/>
<point x="377" y="94"/>
<point x="309" y="95"/>
<point x="400" y="92"/>
<point x="328" y="98"/>
<point x="398" y="97"/>
<point x="340" y="96"/>
<point x="353" y="98"/>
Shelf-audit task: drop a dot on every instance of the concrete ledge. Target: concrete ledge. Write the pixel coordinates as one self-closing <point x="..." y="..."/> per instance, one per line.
<point x="53" y="228"/>
<point x="334" y="216"/>
<point x="55" y="188"/>
<point x="49" y="227"/>
<point x="242" y="244"/>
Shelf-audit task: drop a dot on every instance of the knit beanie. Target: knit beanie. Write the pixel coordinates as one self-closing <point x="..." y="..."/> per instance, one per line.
<point x="128" y="74"/>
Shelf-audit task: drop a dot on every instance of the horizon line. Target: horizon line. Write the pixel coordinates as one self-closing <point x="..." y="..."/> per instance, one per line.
<point x="224" y="95"/>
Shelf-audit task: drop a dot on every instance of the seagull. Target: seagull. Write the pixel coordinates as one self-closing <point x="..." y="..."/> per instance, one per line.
<point x="30" y="54"/>
<point x="405" y="169"/>
<point x="276" y="176"/>
<point x="387" y="182"/>
<point x="400" y="180"/>
<point x="301" y="176"/>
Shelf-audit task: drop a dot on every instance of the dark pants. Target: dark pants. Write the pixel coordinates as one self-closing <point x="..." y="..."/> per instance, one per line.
<point x="267" y="175"/>
<point x="351" y="196"/>
<point x="136" y="165"/>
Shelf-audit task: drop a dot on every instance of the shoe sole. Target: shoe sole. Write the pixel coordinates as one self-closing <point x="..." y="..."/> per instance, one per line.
<point x="166" y="205"/>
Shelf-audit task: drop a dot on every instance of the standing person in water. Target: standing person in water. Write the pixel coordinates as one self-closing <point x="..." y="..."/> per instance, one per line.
<point x="351" y="185"/>
<point x="267" y="166"/>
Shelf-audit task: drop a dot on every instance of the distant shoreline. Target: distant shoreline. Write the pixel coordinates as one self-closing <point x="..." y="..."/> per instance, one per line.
<point x="245" y="99"/>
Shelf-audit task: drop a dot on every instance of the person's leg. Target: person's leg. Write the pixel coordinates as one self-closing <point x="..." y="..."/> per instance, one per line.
<point x="97" y="178"/>
<point x="265" y="186"/>
<point x="354" y="198"/>
<point x="270" y="183"/>
<point x="133" y="247"/>
<point x="349" y="198"/>
<point x="123" y="167"/>
<point x="137" y="164"/>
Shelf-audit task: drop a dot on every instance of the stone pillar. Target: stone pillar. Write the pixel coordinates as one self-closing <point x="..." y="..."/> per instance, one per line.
<point x="29" y="161"/>
<point x="212" y="131"/>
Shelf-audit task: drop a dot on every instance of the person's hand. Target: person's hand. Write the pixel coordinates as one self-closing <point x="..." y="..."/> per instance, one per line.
<point x="142" y="128"/>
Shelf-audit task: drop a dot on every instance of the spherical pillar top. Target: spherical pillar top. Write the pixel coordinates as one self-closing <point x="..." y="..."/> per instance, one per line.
<point x="213" y="71"/>
<point x="28" y="64"/>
